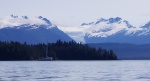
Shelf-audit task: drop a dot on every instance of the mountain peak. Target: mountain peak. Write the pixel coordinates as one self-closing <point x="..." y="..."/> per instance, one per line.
<point x="13" y="16"/>
<point x="110" y="20"/>
<point x="45" y="19"/>
<point x="113" y="20"/>
<point x="25" y="17"/>
<point x="40" y="17"/>
<point x="101" y="20"/>
<point x="13" y="21"/>
<point x="84" y="24"/>
<point x="147" y="25"/>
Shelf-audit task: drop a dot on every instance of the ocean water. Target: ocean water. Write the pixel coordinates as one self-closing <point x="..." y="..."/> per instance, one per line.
<point x="125" y="70"/>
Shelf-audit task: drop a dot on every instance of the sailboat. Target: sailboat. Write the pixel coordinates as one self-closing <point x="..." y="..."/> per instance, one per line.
<point x="47" y="58"/>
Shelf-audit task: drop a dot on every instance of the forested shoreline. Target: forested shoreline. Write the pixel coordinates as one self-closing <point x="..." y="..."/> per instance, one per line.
<point x="61" y="50"/>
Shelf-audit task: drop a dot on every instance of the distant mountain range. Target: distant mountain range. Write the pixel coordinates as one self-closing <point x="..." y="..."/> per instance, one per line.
<point x="116" y="30"/>
<point x="40" y="29"/>
<point x="112" y="30"/>
<point x="30" y="30"/>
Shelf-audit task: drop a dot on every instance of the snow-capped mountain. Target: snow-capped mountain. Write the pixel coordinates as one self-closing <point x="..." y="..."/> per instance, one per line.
<point x="40" y="29"/>
<point x="116" y="30"/>
<point x="112" y="30"/>
<point x="30" y="30"/>
<point x="108" y="27"/>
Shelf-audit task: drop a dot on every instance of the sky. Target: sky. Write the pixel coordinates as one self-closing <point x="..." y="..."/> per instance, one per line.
<point x="76" y="12"/>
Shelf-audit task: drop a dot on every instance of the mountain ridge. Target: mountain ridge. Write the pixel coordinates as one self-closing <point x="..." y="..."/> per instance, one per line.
<point x="103" y="30"/>
<point x="115" y="30"/>
<point x="30" y="30"/>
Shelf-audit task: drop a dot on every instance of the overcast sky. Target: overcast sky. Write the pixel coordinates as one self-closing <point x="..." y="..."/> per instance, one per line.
<point x="75" y="12"/>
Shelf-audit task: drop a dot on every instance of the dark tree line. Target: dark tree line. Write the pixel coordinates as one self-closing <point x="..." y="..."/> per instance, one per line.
<point x="59" y="50"/>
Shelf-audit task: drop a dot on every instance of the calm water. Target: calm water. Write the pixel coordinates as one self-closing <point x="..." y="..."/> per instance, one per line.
<point x="75" y="70"/>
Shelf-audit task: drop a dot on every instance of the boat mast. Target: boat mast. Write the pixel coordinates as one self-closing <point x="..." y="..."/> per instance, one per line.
<point x="47" y="50"/>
